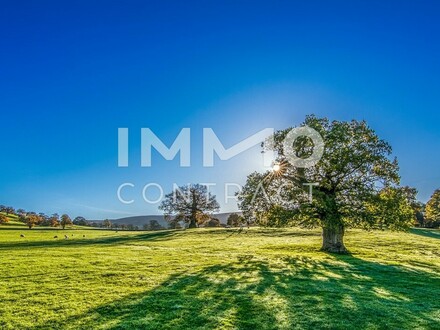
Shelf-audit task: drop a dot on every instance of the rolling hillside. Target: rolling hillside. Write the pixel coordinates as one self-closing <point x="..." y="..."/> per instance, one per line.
<point x="145" y="219"/>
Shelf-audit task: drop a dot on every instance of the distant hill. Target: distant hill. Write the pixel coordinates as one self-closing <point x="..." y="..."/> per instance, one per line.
<point x="145" y="219"/>
<point x="141" y="220"/>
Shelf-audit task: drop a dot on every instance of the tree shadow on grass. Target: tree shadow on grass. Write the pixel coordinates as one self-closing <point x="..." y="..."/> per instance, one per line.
<point x="80" y="241"/>
<point x="339" y="292"/>
<point x="432" y="233"/>
<point x="236" y="231"/>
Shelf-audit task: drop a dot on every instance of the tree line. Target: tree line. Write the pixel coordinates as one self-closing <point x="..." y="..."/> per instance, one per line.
<point x="33" y="219"/>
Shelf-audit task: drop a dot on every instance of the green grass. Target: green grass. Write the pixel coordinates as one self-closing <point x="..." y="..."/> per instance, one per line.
<point x="218" y="278"/>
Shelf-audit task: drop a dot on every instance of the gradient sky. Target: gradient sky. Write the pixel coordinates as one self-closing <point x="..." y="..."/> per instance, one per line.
<point x="71" y="73"/>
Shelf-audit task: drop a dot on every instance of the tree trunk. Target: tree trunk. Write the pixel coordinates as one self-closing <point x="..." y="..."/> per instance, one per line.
<point x="192" y="223"/>
<point x="333" y="239"/>
<point x="193" y="218"/>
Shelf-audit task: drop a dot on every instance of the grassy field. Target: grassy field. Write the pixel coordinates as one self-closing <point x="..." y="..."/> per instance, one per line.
<point x="217" y="278"/>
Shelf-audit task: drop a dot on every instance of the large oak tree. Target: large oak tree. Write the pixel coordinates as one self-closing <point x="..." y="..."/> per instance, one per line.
<point x="357" y="184"/>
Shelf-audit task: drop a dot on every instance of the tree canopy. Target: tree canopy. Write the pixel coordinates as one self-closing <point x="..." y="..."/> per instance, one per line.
<point x="80" y="221"/>
<point x="32" y="220"/>
<point x="65" y="220"/>
<point x="3" y="219"/>
<point x="191" y="203"/>
<point x="433" y="207"/>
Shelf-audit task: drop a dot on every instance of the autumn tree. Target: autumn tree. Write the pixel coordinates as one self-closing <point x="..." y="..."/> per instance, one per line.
<point x="356" y="182"/>
<point x="54" y="220"/>
<point x="190" y="203"/>
<point x="32" y="220"/>
<point x="65" y="221"/>
<point x="3" y="219"/>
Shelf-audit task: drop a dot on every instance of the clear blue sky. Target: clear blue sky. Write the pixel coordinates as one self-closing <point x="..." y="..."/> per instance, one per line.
<point x="71" y="73"/>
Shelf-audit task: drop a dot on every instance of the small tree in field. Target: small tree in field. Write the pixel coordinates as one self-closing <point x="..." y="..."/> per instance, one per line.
<point x="191" y="203"/>
<point x="65" y="221"/>
<point x="80" y="221"/>
<point x="32" y="220"/>
<point x="107" y="223"/>
<point x="7" y="209"/>
<point x="154" y="225"/>
<point x="3" y="219"/>
<point x="357" y="183"/>
<point x="54" y="220"/>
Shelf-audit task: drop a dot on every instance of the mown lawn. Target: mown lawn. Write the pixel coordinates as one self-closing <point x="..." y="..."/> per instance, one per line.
<point x="217" y="278"/>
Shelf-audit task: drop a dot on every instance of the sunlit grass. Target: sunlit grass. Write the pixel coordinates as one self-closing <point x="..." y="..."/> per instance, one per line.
<point x="218" y="278"/>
